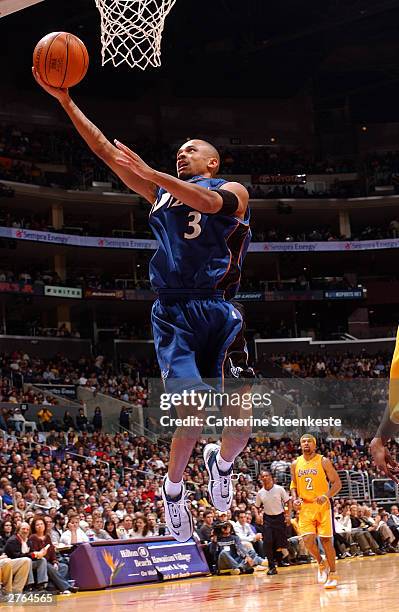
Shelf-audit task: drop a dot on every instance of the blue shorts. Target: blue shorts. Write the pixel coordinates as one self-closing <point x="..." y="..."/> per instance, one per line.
<point x="192" y="336"/>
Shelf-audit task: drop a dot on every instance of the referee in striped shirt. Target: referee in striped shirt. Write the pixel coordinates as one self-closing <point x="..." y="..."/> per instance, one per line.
<point x="273" y="498"/>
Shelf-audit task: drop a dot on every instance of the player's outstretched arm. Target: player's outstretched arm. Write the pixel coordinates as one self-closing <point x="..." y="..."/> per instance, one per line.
<point x="389" y="428"/>
<point x="98" y="143"/>
<point x="199" y="198"/>
<point x="334" y="479"/>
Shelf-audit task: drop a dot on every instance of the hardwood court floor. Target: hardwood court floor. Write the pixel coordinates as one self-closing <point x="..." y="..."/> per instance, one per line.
<point x="365" y="584"/>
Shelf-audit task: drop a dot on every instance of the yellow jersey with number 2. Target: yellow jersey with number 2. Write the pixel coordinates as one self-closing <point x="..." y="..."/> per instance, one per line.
<point x="311" y="479"/>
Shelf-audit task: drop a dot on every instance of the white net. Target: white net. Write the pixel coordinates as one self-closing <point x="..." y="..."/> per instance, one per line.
<point x="131" y="31"/>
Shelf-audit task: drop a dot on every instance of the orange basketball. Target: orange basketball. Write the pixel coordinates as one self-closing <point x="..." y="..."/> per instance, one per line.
<point x="61" y="59"/>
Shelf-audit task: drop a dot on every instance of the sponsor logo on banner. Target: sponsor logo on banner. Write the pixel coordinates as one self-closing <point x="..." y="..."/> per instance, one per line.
<point x="344" y="294"/>
<point x="279" y="179"/>
<point x="130" y="562"/>
<point x="255" y="247"/>
<point x="64" y="292"/>
<point x="255" y="296"/>
<point x="72" y="240"/>
<point x="116" y="294"/>
<point x="68" y="391"/>
<point x="293" y="296"/>
<point x="15" y="288"/>
<point x="311" y="247"/>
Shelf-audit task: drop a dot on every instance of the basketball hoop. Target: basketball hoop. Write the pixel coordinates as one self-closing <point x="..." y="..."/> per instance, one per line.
<point x="131" y="31"/>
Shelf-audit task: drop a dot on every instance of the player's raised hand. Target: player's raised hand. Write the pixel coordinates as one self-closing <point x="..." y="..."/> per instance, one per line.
<point x="384" y="460"/>
<point x="59" y="93"/>
<point x="130" y="159"/>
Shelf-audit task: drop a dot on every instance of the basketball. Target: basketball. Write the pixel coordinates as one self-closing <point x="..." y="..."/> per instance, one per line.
<point x="61" y="59"/>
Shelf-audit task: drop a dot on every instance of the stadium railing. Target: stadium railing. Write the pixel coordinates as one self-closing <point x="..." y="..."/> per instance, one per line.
<point x="384" y="485"/>
<point x="85" y="457"/>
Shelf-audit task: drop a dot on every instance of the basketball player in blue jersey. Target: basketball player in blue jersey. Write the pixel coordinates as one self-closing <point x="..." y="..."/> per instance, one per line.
<point x="202" y="227"/>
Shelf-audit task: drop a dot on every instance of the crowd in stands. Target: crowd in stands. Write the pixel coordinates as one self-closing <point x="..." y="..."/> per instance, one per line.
<point x="23" y="153"/>
<point x="299" y="283"/>
<point x="334" y="366"/>
<point x="96" y="373"/>
<point x="336" y="189"/>
<point x="104" y="282"/>
<point x="28" y="149"/>
<point x="95" y="486"/>
<point x="383" y="168"/>
<point x="74" y="278"/>
<point x="325" y="234"/>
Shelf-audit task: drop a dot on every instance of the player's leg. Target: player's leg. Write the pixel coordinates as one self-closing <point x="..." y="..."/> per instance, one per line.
<point x="311" y="546"/>
<point x="173" y="339"/>
<point x="229" y="342"/>
<point x="328" y="547"/>
<point x="241" y="376"/>
<point x="308" y="527"/>
<point x="326" y="534"/>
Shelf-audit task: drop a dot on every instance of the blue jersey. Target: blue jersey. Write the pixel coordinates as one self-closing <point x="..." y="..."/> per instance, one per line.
<point x="197" y="251"/>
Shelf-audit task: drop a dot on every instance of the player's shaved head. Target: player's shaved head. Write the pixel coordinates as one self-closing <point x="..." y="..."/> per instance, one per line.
<point x="199" y="157"/>
<point x="207" y="146"/>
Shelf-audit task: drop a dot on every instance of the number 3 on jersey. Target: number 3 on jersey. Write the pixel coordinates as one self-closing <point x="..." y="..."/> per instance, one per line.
<point x="194" y="220"/>
<point x="309" y="484"/>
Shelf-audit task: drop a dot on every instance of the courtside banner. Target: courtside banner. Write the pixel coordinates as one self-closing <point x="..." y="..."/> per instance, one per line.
<point x="255" y="247"/>
<point x="71" y="240"/>
<point x="177" y="560"/>
<point x="123" y="562"/>
<point x="311" y="247"/>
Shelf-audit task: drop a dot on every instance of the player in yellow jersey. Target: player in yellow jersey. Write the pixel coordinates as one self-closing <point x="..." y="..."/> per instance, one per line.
<point x="314" y="481"/>
<point x="389" y="427"/>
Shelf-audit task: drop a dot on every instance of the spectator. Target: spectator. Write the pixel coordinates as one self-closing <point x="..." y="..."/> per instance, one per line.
<point x="8" y="497"/>
<point x="206" y="529"/>
<point x="57" y="528"/>
<point x="6" y="531"/>
<point x="387" y="537"/>
<point x="362" y="535"/>
<point x="124" y="419"/>
<point x="243" y="530"/>
<point x="110" y="528"/>
<point x="296" y="546"/>
<point x="68" y="421"/>
<point x="97" y="531"/>
<point x="141" y="528"/>
<point x="17" y="547"/>
<point x="45" y="417"/>
<point x="14" y="574"/>
<point x="40" y="541"/>
<point x="125" y="530"/>
<point x="97" y="419"/>
<point x="230" y="554"/>
<point x="343" y="541"/>
<point x="82" y="423"/>
<point x="74" y="534"/>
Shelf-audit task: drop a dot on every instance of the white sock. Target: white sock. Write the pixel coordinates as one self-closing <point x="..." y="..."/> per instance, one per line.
<point x="173" y="489"/>
<point x="223" y="465"/>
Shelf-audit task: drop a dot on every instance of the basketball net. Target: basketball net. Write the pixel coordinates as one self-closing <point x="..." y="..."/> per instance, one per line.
<point x="131" y="31"/>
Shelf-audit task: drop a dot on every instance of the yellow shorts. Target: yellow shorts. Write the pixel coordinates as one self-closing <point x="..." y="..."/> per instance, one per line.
<point x="316" y="519"/>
